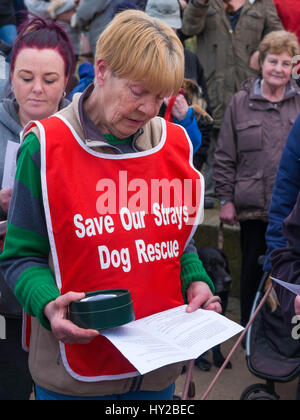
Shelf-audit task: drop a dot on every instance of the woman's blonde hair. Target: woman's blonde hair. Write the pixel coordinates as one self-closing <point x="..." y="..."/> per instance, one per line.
<point x="140" y="48"/>
<point x="278" y="42"/>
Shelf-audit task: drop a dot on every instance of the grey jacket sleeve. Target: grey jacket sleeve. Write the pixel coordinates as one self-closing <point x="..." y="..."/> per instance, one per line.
<point x="87" y="11"/>
<point x="40" y="8"/>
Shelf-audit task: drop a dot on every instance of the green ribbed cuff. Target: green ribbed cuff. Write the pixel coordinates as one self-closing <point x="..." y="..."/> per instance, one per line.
<point x="192" y="270"/>
<point x="34" y="289"/>
<point x="40" y="298"/>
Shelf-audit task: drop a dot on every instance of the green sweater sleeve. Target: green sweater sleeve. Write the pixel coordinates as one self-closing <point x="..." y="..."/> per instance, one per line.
<point x="192" y="270"/>
<point x="24" y="261"/>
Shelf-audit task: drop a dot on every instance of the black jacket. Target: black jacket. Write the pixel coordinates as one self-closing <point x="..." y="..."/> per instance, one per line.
<point x="194" y="71"/>
<point x="286" y="263"/>
<point x="7" y="13"/>
<point x="141" y="4"/>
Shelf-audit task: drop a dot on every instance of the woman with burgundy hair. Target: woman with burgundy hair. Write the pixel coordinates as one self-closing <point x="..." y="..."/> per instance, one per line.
<point x="42" y="62"/>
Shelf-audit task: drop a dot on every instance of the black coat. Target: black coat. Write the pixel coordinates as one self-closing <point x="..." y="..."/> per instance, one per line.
<point x="7" y="13"/>
<point x="194" y="71"/>
<point x="286" y="263"/>
<point x="141" y="4"/>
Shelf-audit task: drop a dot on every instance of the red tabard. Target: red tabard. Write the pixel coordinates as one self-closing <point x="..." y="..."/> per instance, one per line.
<point x="117" y="221"/>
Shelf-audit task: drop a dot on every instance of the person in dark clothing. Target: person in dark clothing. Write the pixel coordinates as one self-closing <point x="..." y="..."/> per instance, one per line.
<point x="20" y="10"/>
<point x="86" y="75"/>
<point x="141" y="4"/>
<point x="5" y="48"/>
<point x="286" y="266"/>
<point x="8" y="29"/>
<point x="194" y="71"/>
<point x="125" y="5"/>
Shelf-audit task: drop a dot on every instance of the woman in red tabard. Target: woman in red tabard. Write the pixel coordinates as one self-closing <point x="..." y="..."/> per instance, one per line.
<point x="109" y="136"/>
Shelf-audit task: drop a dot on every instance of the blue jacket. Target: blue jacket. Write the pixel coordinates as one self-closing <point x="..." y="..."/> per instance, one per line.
<point x="86" y="75"/>
<point x="285" y="192"/>
<point x="191" y="126"/>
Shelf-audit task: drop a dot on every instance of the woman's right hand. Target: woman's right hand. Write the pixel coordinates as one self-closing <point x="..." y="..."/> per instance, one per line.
<point x="228" y="214"/>
<point x="5" y="197"/>
<point x="62" y="328"/>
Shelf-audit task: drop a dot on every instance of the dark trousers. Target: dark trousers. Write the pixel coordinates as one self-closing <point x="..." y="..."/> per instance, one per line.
<point x="253" y="245"/>
<point x="15" y="379"/>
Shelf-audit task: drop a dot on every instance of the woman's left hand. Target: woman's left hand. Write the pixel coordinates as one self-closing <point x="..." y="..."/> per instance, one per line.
<point x="199" y="295"/>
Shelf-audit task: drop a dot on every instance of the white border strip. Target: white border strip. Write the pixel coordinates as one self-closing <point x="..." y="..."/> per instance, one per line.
<point x="93" y="378"/>
<point x="135" y="155"/>
<point x="46" y="204"/>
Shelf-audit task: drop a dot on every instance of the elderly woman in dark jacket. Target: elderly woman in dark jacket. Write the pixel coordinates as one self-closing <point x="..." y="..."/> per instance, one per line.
<point x="253" y="134"/>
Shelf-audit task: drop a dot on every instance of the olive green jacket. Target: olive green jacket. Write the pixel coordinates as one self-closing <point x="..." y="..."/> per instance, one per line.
<point x="225" y="53"/>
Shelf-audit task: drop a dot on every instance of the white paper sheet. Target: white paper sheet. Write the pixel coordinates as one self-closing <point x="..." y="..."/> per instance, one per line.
<point x="171" y="336"/>
<point x="294" y="288"/>
<point x="10" y="164"/>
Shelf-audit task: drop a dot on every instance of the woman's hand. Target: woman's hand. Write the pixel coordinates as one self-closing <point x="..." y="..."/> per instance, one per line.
<point x="180" y="107"/>
<point x="254" y="61"/>
<point x="5" y="197"/>
<point x="228" y="214"/>
<point x="63" y="329"/>
<point x="199" y="295"/>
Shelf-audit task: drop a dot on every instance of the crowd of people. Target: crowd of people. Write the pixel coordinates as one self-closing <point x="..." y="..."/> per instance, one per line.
<point x="92" y="87"/>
